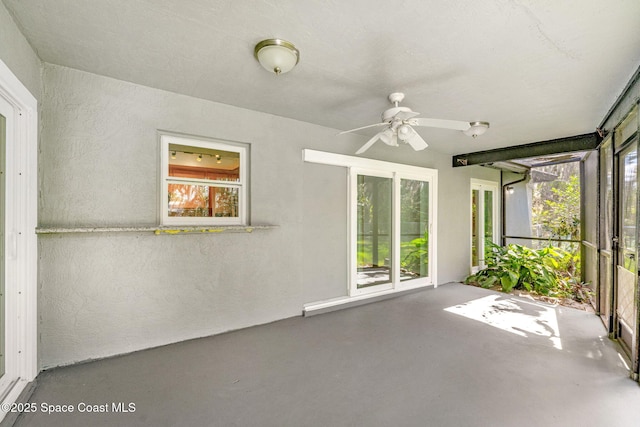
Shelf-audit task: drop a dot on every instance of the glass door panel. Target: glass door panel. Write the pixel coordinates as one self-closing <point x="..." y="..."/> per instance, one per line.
<point x="488" y="224"/>
<point x="606" y="233"/>
<point x="475" y="228"/>
<point x="483" y="221"/>
<point x="627" y="268"/>
<point x="414" y="229"/>
<point x="374" y="226"/>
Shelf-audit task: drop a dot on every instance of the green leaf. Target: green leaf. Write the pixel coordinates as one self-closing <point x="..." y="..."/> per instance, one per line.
<point x="488" y="282"/>
<point x="513" y="277"/>
<point x="507" y="283"/>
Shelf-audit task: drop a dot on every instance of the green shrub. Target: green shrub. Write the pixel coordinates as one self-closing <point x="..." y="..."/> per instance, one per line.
<point x="519" y="267"/>
<point x="414" y="253"/>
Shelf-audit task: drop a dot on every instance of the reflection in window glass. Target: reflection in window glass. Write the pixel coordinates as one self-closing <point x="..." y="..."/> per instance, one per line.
<point x="606" y="202"/>
<point x="204" y="182"/>
<point x="628" y="195"/>
<point x="414" y="229"/>
<point x="203" y="163"/>
<point x="202" y="201"/>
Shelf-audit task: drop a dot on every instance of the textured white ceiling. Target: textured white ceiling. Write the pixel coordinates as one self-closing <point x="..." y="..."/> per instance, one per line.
<point x="536" y="69"/>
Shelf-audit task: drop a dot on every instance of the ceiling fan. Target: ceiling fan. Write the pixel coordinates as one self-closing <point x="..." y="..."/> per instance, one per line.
<point x="399" y="122"/>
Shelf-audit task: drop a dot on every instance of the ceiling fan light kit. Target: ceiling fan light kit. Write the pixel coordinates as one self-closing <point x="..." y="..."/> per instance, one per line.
<point x="276" y="55"/>
<point x="399" y="122"/>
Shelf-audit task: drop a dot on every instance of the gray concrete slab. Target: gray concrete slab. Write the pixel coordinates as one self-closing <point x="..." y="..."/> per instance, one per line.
<point x="400" y="362"/>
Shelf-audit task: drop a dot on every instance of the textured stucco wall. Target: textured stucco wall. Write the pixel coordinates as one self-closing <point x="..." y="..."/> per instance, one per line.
<point x="18" y="55"/>
<point x="324" y="237"/>
<point x="454" y="218"/>
<point x="105" y="294"/>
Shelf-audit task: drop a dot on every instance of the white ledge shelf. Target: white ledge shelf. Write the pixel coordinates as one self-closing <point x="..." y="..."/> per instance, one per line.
<point x="157" y="230"/>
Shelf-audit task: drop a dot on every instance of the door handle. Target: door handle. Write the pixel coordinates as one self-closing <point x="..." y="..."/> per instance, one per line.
<point x="12" y="252"/>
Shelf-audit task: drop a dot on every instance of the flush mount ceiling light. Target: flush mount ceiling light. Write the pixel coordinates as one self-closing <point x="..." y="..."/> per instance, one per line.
<point x="477" y="129"/>
<point x="276" y="55"/>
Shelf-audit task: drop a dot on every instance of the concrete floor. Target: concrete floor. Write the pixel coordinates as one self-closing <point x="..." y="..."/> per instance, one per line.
<point x="401" y="362"/>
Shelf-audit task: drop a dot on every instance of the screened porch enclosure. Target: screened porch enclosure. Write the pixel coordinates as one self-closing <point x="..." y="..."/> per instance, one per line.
<point x="582" y="197"/>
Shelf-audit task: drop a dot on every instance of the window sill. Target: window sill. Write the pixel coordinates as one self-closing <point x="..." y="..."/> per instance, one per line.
<point x="157" y="230"/>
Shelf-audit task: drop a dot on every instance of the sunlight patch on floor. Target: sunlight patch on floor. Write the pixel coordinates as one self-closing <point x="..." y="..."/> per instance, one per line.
<point x="509" y="314"/>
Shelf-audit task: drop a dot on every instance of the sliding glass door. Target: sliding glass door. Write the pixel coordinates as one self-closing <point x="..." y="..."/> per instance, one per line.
<point x="414" y="229"/>
<point x="374" y="225"/>
<point x="391" y="218"/>
<point x="627" y="268"/>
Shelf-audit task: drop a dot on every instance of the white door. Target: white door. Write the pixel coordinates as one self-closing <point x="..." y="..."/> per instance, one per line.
<point x="8" y="324"/>
<point x="372" y="224"/>
<point x="484" y="220"/>
<point x="18" y="244"/>
<point x="627" y="268"/>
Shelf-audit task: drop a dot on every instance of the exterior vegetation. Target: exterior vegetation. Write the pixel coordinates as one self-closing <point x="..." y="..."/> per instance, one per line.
<point x="549" y="270"/>
<point x="556" y="203"/>
<point x="545" y="271"/>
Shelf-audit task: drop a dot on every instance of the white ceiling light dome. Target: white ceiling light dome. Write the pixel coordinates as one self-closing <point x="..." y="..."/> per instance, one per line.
<point x="476" y="129"/>
<point x="276" y="55"/>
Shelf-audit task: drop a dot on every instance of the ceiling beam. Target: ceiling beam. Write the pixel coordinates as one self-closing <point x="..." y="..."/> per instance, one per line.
<point x="588" y="141"/>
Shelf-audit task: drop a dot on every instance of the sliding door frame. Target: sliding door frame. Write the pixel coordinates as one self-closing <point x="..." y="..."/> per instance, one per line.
<point x="399" y="171"/>
<point x="20" y="243"/>
<point x="483" y="186"/>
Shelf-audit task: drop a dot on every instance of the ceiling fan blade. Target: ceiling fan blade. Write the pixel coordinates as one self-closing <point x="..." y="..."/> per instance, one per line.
<point x="405" y="115"/>
<point x="369" y="143"/>
<point x="415" y="140"/>
<point x="441" y="123"/>
<point x="363" y="127"/>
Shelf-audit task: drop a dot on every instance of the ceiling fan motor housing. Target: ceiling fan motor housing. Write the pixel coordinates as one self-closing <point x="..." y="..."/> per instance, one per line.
<point x="391" y="113"/>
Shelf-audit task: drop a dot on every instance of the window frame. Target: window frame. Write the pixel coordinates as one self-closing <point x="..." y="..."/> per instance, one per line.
<point x="20" y="241"/>
<point x="242" y="185"/>
<point x="353" y="230"/>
